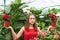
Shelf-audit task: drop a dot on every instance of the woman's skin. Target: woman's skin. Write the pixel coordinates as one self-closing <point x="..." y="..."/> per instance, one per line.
<point x="51" y="29"/>
<point x="19" y="34"/>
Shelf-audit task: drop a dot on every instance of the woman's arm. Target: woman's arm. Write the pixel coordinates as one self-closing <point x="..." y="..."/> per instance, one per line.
<point x="39" y="31"/>
<point x="16" y="36"/>
<point x="49" y="28"/>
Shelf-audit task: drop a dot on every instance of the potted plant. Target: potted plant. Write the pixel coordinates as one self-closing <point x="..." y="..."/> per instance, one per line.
<point x="6" y="18"/>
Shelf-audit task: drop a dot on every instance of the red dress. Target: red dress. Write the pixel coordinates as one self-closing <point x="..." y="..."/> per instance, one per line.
<point x="30" y="34"/>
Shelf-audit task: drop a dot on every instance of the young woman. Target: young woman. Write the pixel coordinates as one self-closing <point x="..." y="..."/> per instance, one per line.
<point x="30" y="30"/>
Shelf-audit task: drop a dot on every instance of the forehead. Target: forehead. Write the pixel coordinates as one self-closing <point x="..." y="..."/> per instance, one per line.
<point x="32" y="16"/>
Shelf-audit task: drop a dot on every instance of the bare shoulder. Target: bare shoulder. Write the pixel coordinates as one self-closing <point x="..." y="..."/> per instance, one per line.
<point x="38" y="28"/>
<point x="22" y="28"/>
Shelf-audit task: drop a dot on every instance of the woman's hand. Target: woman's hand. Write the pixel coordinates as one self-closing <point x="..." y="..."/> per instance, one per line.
<point x="8" y="27"/>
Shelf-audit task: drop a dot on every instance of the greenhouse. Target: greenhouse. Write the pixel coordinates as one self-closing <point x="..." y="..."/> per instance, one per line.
<point x="29" y="19"/>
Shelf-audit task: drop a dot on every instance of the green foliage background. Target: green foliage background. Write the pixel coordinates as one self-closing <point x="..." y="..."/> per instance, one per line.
<point x="18" y="18"/>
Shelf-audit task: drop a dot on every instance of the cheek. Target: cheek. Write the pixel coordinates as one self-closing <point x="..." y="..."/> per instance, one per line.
<point x="31" y="21"/>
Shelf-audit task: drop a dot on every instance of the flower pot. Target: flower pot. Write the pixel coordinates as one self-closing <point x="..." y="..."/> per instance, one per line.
<point x="6" y="23"/>
<point x="53" y="24"/>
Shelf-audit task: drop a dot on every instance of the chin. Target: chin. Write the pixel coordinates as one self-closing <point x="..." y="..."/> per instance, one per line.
<point x="32" y="23"/>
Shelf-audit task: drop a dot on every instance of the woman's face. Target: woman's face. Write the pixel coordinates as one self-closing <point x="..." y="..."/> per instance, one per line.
<point x="32" y="19"/>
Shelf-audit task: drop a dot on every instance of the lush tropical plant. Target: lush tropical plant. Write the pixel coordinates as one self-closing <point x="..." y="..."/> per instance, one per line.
<point x="18" y="18"/>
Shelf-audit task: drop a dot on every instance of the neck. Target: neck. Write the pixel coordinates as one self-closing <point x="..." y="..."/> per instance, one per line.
<point x="30" y="25"/>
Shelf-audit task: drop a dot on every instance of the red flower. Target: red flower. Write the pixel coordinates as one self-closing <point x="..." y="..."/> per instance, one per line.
<point x="6" y="16"/>
<point x="53" y="16"/>
<point x="44" y="34"/>
<point x="56" y="36"/>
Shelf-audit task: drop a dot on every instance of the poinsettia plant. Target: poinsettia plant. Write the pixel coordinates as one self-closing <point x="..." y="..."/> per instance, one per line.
<point x="53" y="16"/>
<point x="6" y="18"/>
